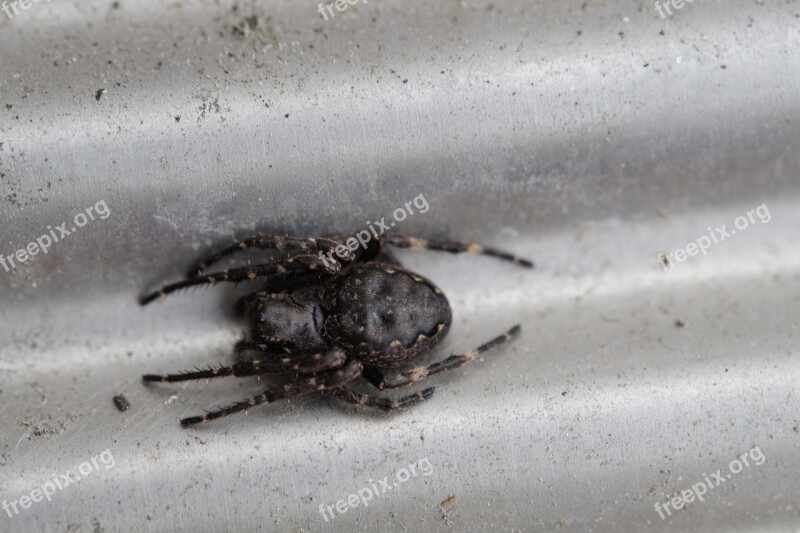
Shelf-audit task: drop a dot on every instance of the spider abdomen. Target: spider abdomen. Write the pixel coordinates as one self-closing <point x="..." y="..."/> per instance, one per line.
<point x="384" y="315"/>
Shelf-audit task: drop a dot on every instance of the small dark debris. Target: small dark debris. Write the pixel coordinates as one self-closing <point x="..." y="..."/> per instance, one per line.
<point x="121" y="402"/>
<point x="9" y="106"/>
<point x="246" y="26"/>
<point x="177" y="118"/>
<point x="99" y="94"/>
<point x="447" y="501"/>
<point x="286" y="115"/>
<point x="405" y="81"/>
<point x="564" y="393"/>
<point x="679" y="323"/>
<point x="43" y="429"/>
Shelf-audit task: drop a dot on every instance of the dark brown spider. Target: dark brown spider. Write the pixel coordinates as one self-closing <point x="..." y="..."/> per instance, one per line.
<point x="329" y="320"/>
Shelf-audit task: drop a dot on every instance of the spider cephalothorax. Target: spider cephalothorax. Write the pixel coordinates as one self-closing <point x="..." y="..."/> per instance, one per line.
<point x="331" y="321"/>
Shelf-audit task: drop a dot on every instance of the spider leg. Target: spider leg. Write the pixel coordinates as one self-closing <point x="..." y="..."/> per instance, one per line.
<point x="275" y="242"/>
<point x="280" y="283"/>
<point x="327" y="380"/>
<point x="234" y="275"/>
<point x="414" y="243"/>
<point x="386" y="404"/>
<point x="302" y="363"/>
<point x="381" y="381"/>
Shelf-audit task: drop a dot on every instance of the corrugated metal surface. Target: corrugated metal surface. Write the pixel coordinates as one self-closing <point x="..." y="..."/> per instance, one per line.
<point x="588" y="136"/>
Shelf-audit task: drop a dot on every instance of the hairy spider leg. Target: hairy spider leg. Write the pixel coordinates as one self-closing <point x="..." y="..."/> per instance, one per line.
<point x="382" y="381"/>
<point x="414" y="243"/>
<point x="301" y="363"/>
<point x="326" y="380"/>
<point x="274" y="242"/>
<point x="235" y="275"/>
<point x="280" y="283"/>
<point x="386" y="404"/>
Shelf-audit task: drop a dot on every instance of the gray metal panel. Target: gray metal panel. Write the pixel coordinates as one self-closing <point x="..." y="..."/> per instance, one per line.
<point x="589" y="136"/>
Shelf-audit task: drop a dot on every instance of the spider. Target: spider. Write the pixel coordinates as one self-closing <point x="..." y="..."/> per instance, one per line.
<point x="328" y="320"/>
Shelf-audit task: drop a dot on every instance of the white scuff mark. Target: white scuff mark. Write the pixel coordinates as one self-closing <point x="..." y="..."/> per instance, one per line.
<point x="168" y="221"/>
